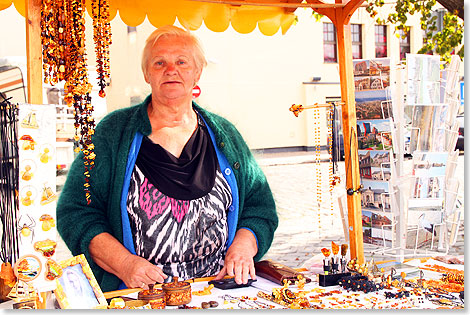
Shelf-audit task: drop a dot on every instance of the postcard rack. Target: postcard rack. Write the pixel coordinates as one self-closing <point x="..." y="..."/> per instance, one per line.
<point x="423" y="209"/>
<point x="430" y="209"/>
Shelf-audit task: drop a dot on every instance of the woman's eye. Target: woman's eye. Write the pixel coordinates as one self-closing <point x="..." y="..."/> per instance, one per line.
<point x="181" y="62"/>
<point x="159" y="63"/>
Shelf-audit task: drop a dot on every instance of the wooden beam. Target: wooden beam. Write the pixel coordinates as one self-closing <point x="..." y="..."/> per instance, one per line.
<point x="34" y="51"/>
<point x="351" y="158"/>
<point x="350" y="8"/>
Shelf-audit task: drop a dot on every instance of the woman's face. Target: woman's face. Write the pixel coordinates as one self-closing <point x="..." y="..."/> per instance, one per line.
<point x="172" y="71"/>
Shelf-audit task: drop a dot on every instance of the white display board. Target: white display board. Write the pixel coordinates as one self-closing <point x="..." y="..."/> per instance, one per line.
<point x="37" y="186"/>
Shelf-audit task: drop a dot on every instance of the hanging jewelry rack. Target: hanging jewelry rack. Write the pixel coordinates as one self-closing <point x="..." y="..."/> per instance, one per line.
<point x="333" y="178"/>
<point x="9" y="182"/>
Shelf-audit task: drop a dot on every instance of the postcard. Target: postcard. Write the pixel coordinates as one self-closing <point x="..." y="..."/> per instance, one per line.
<point x="380" y="173"/>
<point x="423" y="93"/>
<point x="366" y="218"/>
<point x="379" y="66"/>
<point x="428" y="128"/>
<point x="367" y="235"/>
<point x="424" y="228"/>
<point x="374" y="134"/>
<point x="382" y="237"/>
<point x="429" y="164"/>
<point x="382" y="219"/>
<point x="373" y="104"/>
<point x="429" y="204"/>
<point x="361" y="67"/>
<point x="423" y="67"/>
<point x="380" y="158"/>
<point x="424" y="224"/>
<point x="375" y="195"/>
<point x="423" y="79"/>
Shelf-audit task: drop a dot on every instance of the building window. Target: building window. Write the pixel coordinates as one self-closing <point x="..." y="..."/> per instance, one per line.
<point x="356" y="37"/>
<point x="404" y="44"/>
<point x="329" y="43"/>
<point x="380" y="41"/>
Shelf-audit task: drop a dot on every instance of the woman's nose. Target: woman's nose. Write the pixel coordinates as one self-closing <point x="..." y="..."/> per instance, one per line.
<point x="170" y="68"/>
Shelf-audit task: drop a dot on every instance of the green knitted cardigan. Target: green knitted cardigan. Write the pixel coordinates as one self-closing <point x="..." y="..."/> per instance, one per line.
<point x="78" y="223"/>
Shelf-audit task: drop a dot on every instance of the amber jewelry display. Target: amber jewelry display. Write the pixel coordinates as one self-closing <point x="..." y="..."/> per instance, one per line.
<point x="27" y="229"/>
<point x="48" y="222"/>
<point x="53" y="270"/>
<point x="206" y="291"/>
<point x="63" y="47"/>
<point x="28" y="142"/>
<point x="317" y="160"/>
<point x="46" y="247"/>
<point x="102" y="39"/>
<point x="28" y="195"/>
<point x="333" y="178"/>
<point x="330" y="117"/>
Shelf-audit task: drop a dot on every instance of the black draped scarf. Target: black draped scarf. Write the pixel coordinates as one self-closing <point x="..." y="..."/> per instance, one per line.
<point x="188" y="177"/>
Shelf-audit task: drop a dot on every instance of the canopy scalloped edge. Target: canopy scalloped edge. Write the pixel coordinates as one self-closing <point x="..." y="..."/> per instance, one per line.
<point x="191" y="14"/>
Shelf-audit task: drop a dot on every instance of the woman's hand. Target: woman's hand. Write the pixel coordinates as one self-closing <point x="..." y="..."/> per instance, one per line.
<point x="112" y="256"/>
<point x="138" y="272"/>
<point x="239" y="258"/>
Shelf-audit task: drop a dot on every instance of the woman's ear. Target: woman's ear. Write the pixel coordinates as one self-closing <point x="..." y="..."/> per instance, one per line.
<point x="198" y="76"/>
<point x="146" y="78"/>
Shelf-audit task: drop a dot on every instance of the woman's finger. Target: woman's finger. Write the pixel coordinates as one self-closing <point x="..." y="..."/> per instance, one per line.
<point x="252" y="271"/>
<point x="238" y="272"/>
<point x="221" y="274"/>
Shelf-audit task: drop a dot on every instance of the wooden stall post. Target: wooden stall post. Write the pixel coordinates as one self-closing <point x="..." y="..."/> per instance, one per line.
<point x="33" y="51"/>
<point x="353" y="180"/>
<point x="340" y="17"/>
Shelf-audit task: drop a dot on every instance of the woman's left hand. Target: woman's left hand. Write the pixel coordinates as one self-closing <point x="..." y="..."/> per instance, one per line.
<point x="239" y="258"/>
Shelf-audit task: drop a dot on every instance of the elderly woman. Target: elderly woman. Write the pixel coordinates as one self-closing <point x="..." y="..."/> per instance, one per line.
<point x="175" y="190"/>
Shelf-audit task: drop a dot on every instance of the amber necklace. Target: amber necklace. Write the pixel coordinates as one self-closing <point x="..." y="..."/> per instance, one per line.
<point x="102" y="39"/>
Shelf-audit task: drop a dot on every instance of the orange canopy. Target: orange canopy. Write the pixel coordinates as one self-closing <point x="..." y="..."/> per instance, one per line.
<point x="216" y="16"/>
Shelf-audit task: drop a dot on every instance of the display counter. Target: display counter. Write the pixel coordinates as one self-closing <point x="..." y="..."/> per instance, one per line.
<point x="426" y="291"/>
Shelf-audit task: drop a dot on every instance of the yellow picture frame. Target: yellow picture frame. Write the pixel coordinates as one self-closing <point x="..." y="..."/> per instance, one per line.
<point x="77" y="288"/>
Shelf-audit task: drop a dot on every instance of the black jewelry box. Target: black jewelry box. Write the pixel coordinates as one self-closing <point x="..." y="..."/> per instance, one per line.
<point x="331" y="279"/>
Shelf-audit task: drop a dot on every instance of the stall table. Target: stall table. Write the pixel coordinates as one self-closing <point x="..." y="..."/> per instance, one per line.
<point x="332" y="297"/>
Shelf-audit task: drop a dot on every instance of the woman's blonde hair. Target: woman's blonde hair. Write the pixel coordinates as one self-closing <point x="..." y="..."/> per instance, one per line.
<point x="170" y="30"/>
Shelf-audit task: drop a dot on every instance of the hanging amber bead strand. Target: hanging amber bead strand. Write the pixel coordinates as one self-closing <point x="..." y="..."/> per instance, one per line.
<point x="330" y="158"/>
<point x="50" y="40"/>
<point x="102" y="39"/>
<point x="318" y="173"/>
<point x="77" y="86"/>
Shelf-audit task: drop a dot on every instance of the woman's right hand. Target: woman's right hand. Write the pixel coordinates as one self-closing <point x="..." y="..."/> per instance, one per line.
<point x="138" y="272"/>
<point x="112" y="256"/>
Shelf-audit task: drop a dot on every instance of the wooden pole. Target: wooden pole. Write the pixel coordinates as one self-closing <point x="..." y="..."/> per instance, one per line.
<point x="353" y="180"/>
<point x="340" y="17"/>
<point x="33" y="51"/>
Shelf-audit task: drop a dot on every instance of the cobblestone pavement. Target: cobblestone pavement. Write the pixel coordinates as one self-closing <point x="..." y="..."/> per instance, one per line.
<point x="304" y="228"/>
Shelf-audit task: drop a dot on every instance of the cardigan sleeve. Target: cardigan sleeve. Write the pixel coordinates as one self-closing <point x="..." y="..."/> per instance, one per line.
<point x="257" y="206"/>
